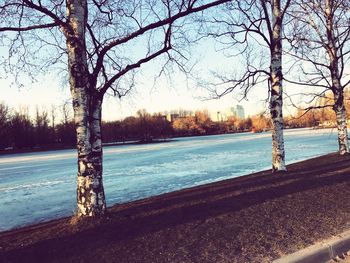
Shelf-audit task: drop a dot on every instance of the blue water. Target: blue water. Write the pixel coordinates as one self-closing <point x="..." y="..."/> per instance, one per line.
<point x="37" y="187"/>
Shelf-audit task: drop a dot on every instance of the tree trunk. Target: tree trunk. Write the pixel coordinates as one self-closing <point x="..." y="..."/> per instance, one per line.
<point x="340" y="114"/>
<point x="90" y="192"/>
<point x="87" y="116"/>
<point x="276" y="101"/>
<point x="337" y="88"/>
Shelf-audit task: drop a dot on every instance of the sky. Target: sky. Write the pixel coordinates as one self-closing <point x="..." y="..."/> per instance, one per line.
<point x="164" y="94"/>
<point x="154" y="96"/>
<point x="178" y="95"/>
<point x="160" y="95"/>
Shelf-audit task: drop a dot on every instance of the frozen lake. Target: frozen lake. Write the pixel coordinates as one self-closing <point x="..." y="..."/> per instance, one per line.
<point x="36" y="187"/>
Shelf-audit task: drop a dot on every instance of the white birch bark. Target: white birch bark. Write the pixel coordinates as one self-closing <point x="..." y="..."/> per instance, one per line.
<point x="276" y="100"/>
<point x="87" y="115"/>
<point x="340" y="112"/>
<point x="337" y="88"/>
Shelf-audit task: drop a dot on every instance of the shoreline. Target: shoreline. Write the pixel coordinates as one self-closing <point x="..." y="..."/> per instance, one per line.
<point x="137" y="142"/>
<point x="108" y="144"/>
<point x="252" y="218"/>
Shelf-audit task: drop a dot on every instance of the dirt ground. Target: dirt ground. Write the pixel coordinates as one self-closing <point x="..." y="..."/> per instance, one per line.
<point x="254" y="218"/>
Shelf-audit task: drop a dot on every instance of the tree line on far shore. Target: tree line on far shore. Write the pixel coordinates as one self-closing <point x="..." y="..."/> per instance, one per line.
<point x="19" y="130"/>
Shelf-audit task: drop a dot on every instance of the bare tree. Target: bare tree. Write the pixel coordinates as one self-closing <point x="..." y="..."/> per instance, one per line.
<point x="320" y="44"/>
<point x="103" y="42"/>
<point x="53" y="116"/>
<point x="5" y="118"/>
<point x="66" y="112"/>
<point x="254" y="28"/>
<point x="42" y="129"/>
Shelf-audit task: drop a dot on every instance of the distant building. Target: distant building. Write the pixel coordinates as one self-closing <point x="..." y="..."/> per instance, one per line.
<point x="237" y="111"/>
<point x="172" y="116"/>
<point x="175" y="114"/>
<point x="231" y="112"/>
<point x="217" y="116"/>
<point x="240" y="112"/>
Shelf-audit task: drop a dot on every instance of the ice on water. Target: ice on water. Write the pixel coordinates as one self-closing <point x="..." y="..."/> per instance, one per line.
<point x="37" y="187"/>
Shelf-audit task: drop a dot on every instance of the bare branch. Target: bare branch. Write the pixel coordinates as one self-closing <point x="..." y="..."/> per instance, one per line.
<point x="149" y="27"/>
<point x="28" y="28"/>
<point x="166" y="48"/>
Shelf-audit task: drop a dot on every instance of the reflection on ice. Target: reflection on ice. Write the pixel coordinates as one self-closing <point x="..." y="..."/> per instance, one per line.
<point x="36" y="187"/>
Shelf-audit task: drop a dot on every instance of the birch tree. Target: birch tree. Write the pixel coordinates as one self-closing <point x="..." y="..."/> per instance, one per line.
<point x="252" y="25"/>
<point x="101" y="43"/>
<point x="320" y="42"/>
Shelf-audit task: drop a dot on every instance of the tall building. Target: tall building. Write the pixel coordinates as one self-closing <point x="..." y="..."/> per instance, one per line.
<point x="224" y="115"/>
<point x="240" y="112"/>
